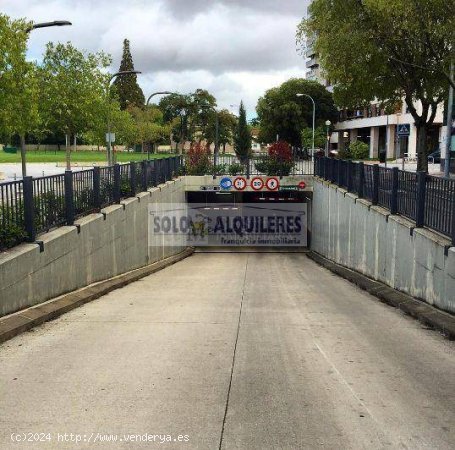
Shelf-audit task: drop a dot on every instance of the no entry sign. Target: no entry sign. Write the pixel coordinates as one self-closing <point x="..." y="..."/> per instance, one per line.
<point x="257" y="184"/>
<point x="272" y="184"/>
<point x="240" y="183"/>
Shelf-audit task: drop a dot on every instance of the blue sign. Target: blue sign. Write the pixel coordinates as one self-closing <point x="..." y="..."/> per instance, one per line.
<point x="404" y="130"/>
<point x="226" y="183"/>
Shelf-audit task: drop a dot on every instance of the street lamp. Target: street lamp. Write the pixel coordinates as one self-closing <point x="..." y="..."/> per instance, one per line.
<point x="327" y="124"/>
<point x="55" y="23"/>
<point x="147" y="103"/>
<point x="158" y="93"/>
<point x="314" y="115"/>
<point x="110" y="159"/>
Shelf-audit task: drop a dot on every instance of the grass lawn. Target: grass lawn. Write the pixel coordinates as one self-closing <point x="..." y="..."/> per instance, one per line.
<point x="83" y="156"/>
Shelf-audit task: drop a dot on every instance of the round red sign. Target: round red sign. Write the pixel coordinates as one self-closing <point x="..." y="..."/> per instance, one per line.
<point x="257" y="184"/>
<point x="272" y="184"/>
<point x="302" y="185"/>
<point x="239" y="183"/>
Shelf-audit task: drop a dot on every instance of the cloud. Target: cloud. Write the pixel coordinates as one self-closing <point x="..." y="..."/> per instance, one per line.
<point x="233" y="48"/>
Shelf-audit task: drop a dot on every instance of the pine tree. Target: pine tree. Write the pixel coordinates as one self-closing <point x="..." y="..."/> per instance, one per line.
<point x="126" y="86"/>
<point x="242" y="138"/>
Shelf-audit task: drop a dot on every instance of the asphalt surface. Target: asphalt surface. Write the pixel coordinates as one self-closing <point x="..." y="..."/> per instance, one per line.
<point x="231" y="351"/>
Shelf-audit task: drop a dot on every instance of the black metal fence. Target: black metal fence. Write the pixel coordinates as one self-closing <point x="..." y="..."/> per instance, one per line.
<point x="229" y="164"/>
<point x="427" y="200"/>
<point x="35" y="205"/>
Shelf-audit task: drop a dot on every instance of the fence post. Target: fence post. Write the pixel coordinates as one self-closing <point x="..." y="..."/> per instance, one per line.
<point x="375" y="199"/>
<point x="29" y="209"/>
<point x="361" y="180"/>
<point x="349" y="176"/>
<point x="453" y="222"/>
<point x="133" y="178"/>
<point x="394" y="193"/>
<point x="420" y="200"/>
<point x="97" y="187"/>
<point x="144" y="173"/>
<point x="338" y="163"/>
<point x="69" y="197"/>
<point x="117" y="187"/>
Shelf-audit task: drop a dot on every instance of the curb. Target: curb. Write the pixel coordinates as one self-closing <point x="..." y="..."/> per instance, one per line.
<point x="26" y="319"/>
<point x="425" y="313"/>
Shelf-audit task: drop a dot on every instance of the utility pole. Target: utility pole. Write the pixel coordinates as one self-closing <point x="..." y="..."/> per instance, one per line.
<point x="314" y="116"/>
<point x="110" y="157"/>
<point x="449" y="126"/>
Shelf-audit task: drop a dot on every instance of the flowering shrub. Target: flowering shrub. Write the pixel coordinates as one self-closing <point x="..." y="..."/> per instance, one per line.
<point x="198" y="160"/>
<point x="280" y="152"/>
<point x="279" y="160"/>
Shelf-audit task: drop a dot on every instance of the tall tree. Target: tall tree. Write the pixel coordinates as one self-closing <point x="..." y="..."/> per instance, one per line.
<point x="72" y="89"/>
<point x="18" y="83"/>
<point x="386" y="51"/>
<point x="282" y="113"/>
<point x="127" y="88"/>
<point x="242" y="137"/>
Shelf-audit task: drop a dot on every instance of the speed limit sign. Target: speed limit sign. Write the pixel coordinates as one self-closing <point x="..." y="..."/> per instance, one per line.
<point x="272" y="184"/>
<point x="257" y="184"/>
<point x="240" y="183"/>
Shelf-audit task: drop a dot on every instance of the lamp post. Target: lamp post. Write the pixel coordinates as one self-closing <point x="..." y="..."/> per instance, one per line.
<point x="327" y="124"/>
<point x="110" y="159"/>
<point x="449" y="125"/>
<point x="147" y="103"/>
<point x="55" y="23"/>
<point x="158" y="93"/>
<point x="314" y="116"/>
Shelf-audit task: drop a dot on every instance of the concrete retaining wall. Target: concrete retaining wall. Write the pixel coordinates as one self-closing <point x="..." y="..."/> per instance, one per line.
<point x="366" y="238"/>
<point x="106" y="245"/>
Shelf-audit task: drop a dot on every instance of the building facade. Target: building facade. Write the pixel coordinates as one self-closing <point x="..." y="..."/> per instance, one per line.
<point x="378" y="129"/>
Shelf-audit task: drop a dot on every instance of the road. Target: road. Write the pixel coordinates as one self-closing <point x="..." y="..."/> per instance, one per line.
<point x="232" y="351"/>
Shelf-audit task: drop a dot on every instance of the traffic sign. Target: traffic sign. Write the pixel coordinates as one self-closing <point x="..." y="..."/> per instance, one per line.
<point x="240" y="183"/>
<point x="302" y="185"/>
<point x="257" y="184"/>
<point x="226" y="183"/>
<point x="272" y="184"/>
<point x="404" y="130"/>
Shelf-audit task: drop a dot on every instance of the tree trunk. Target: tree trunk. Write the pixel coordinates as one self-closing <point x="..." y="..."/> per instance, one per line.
<point x="23" y="157"/>
<point x="224" y="148"/>
<point x="422" y="149"/>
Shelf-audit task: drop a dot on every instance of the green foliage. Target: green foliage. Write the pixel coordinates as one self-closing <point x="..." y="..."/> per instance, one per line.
<point x="359" y="150"/>
<point x="18" y="79"/>
<point x="377" y="50"/>
<point x="127" y="88"/>
<point x="242" y="138"/>
<point x="320" y="137"/>
<point x="12" y="231"/>
<point x="236" y="169"/>
<point x="282" y="113"/>
<point x="345" y="153"/>
<point x="72" y="89"/>
<point x="278" y="162"/>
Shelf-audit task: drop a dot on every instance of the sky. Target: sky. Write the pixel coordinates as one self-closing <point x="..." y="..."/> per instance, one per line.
<point x="235" y="49"/>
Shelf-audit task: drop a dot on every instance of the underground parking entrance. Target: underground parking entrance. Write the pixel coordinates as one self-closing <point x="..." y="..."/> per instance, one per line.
<point x="246" y="221"/>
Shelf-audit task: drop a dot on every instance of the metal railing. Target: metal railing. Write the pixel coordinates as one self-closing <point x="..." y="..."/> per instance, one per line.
<point x="229" y="164"/>
<point x="35" y="205"/>
<point x="427" y="200"/>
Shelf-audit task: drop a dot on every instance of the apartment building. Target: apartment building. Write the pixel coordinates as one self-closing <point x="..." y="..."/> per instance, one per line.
<point x="379" y="130"/>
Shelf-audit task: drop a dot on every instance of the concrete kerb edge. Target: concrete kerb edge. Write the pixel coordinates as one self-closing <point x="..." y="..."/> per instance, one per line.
<point x="24" y="320"/>
<point x="425" y="313"/>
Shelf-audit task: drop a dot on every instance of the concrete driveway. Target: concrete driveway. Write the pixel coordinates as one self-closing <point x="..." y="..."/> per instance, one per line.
<point x="232" y="351"/>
